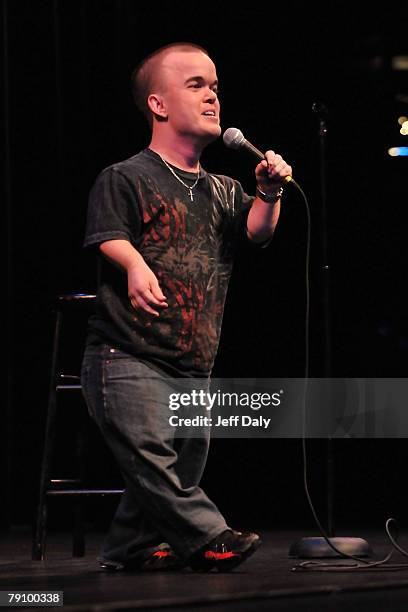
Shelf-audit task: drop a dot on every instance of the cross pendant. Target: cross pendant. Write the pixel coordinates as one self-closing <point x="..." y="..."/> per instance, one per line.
<point x="191" y="194"/>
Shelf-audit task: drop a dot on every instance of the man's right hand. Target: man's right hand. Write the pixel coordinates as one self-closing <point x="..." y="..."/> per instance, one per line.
<point x="144" y="290"/>
<point x="143" y="286"/>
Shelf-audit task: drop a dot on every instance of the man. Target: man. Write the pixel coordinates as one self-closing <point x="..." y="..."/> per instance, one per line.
<point x="167" y="231"/>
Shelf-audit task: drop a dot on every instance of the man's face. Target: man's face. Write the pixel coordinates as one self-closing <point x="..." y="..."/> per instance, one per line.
<point x="189" y="92"/>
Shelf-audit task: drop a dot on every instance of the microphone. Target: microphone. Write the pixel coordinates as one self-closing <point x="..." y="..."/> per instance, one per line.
<point x="234" y="139"/>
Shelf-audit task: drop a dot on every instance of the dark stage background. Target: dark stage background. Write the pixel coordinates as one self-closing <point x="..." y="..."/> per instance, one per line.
<point x="68" y="113"/>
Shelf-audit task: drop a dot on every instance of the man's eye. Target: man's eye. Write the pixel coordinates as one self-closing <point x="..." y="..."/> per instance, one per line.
<point x="215" y="89"/>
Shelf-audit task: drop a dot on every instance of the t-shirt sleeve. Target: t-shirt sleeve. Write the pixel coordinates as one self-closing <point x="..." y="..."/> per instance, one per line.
<point x="242" y="201"/>
<point x="113" y="209"/>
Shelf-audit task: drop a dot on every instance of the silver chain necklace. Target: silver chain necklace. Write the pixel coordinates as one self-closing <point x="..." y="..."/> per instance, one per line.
<point x="190" y="189"/>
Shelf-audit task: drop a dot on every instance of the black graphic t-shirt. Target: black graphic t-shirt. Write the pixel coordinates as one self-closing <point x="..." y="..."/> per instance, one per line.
<point x="188" y="245"/>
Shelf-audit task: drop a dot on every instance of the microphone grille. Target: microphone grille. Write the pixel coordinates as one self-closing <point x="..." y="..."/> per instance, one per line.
<point x="233" y="137"/>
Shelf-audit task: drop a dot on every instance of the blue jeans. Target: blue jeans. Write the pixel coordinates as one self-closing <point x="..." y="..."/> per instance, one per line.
<point x="162" y="502"/>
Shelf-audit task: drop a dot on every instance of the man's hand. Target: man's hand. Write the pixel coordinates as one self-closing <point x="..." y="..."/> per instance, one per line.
<point x="144" y="290"/>
<point x="143" y="286"/>
<point x="264" y="214"/>
<point x="270" y="172"/>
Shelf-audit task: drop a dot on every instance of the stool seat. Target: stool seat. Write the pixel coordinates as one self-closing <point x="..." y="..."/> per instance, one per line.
<point x="76" y="297"/>
<point x="60" y="383"/>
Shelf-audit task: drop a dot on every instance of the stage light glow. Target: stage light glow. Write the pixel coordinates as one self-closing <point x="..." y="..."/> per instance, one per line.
<point x="399" y="62"/>
<point x="404" y="128"/>
<point x="402" y="120"/>
<point x="398" y="151"/>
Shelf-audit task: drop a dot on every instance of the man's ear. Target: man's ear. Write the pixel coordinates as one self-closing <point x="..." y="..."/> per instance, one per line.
<point x="158" y="107"/>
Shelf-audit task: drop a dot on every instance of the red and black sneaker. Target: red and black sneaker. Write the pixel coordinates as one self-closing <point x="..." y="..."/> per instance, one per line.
<point x="156" y="558"/>
<point x="226" y="551"/>
<point x="161" y="559"/>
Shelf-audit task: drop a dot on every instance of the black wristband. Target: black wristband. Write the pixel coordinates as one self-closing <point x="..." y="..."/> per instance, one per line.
<point x="269" y="198"/>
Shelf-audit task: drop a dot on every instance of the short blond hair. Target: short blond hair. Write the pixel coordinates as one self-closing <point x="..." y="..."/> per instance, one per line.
<point x="144" y="76"/>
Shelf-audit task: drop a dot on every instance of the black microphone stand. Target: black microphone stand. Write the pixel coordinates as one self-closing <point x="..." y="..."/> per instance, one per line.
<point x="318" y="547"/>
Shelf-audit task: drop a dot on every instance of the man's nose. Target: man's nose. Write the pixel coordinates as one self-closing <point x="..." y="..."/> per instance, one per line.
<point x="211" y="95"/>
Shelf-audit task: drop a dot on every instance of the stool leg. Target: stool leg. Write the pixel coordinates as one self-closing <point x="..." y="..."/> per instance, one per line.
<point x="39" y="538"/>
<point x="78" y="534"/>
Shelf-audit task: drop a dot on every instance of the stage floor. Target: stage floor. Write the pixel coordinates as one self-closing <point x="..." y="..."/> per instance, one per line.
<point x="264" y="582"/>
